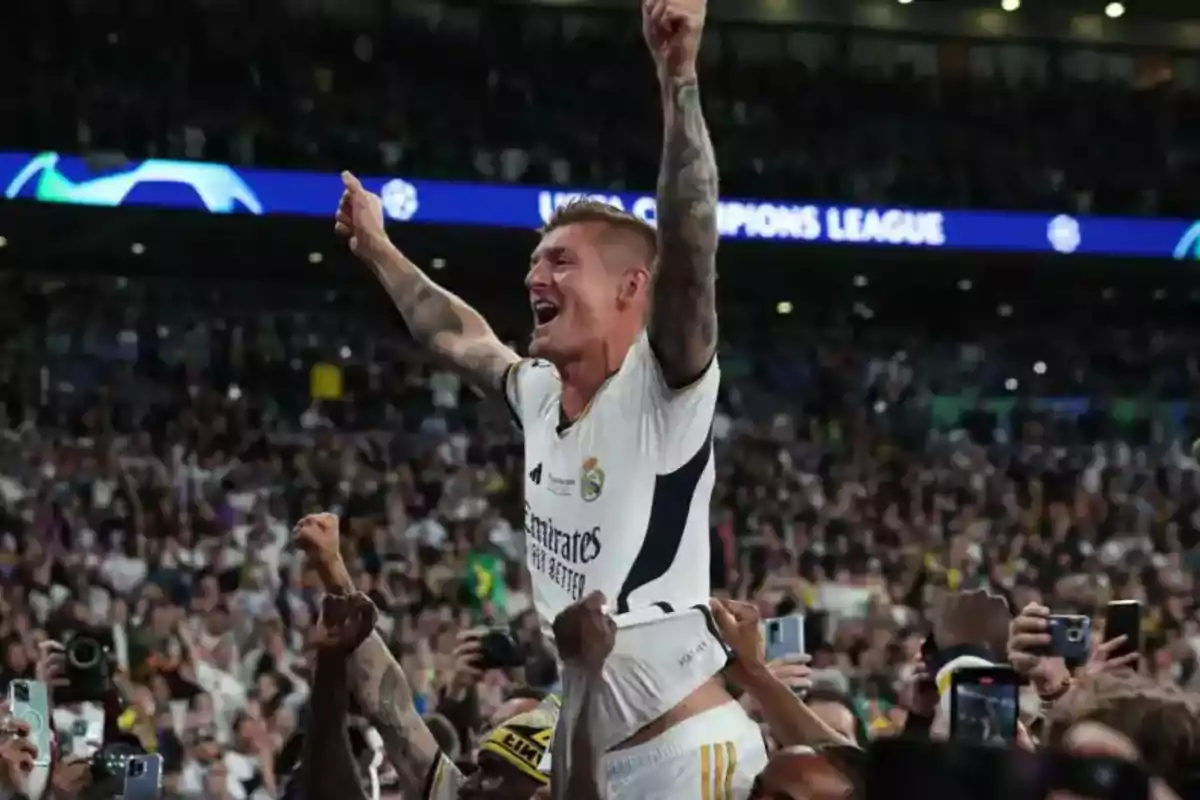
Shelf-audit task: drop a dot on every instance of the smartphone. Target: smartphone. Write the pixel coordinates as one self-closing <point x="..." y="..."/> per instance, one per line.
<point x="29" y="701"/>
<point x="816" y="631"/>
<point x="143" y="777"/>
<point x="1070" y="637"/>
<point x="984" y="705"/>
<point x="784" y="636"/>
<point x="1124" y="618"/>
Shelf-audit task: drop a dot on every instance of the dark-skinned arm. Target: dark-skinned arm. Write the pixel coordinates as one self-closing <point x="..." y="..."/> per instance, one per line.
<point x="683" y="317"/>
<point x="328" y="768"/>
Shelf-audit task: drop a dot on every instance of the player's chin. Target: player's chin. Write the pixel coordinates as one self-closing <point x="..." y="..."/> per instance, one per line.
<point x="543" y="343"/>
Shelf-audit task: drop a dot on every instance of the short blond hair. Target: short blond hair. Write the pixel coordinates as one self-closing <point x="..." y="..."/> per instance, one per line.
<point x="585" y="209"/>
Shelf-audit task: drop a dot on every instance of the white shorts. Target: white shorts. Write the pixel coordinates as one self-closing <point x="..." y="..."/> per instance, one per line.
<point x="715" y="755"/>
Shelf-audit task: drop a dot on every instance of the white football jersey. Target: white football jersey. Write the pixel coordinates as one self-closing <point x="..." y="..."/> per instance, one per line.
<point x="618" y="500"/>
<point x="659" y="657"/>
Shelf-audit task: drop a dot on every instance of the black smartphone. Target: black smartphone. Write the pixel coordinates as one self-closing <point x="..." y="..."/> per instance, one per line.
<point x="1124" y="618"/>
<point x="984" y="705"/>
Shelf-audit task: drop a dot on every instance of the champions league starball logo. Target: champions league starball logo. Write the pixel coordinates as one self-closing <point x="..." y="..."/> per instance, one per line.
<point x="218" y="187"/>
<point x="400" y="200"/>
<point x="1188" y="248"/>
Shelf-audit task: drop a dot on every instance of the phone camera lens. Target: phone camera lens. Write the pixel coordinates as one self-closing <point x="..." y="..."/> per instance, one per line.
<point x="136" y="768"/>
<point x="21" y="692"/>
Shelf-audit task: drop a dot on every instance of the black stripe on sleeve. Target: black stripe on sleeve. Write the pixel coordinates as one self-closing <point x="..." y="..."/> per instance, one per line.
<point x="669" y="508"/>
<point x="511" y="374"/>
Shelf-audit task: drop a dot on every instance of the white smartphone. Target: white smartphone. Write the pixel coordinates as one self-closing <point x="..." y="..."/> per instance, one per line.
<point x="29" y="701"/>
<point x="784" y="636"/>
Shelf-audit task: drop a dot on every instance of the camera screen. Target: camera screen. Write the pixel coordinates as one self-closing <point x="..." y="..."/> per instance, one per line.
<point x="985" y="711"/>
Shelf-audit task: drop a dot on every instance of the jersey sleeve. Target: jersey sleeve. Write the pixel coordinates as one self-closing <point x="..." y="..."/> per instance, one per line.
<point x="678" y="421"/>
<point x="528" y="385"/>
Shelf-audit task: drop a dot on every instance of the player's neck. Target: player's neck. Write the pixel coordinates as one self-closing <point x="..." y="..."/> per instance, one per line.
<point x="582" y="377"/>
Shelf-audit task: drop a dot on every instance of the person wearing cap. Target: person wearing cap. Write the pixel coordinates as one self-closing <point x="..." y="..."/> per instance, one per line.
<point x="507" y="760"/>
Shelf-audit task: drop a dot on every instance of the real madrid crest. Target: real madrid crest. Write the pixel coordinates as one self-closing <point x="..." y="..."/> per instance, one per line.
<point x="591" y="480"/>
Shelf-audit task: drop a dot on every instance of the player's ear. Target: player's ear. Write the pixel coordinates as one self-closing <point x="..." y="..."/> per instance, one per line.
<point x="634" y="284"/>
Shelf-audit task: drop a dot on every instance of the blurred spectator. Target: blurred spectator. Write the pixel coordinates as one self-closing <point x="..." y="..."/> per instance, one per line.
<point x="847" y="116"/>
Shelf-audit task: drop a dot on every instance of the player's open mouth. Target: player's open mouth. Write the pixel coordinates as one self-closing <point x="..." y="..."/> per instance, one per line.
<point x="544" y="311"/>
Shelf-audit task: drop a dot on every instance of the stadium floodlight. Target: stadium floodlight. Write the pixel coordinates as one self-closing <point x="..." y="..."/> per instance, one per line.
<point x="1114" y="10"/>
<point x="1010" y="5"/>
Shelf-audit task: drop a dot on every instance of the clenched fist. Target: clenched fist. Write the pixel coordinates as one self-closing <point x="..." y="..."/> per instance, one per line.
<point x="673" y="29"/>
<point x="360" y="219"/>
<point x="317" y="536"/>
<point x="346" y="621"/>
<point x="585" y="633"/>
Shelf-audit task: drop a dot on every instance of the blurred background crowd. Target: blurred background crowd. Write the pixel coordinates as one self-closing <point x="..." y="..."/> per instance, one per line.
<point x="880" y="441"/>
<point x="919" y="120"/>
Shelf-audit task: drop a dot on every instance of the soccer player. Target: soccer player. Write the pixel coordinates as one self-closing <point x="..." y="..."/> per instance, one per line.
<point x="616" y="404"/>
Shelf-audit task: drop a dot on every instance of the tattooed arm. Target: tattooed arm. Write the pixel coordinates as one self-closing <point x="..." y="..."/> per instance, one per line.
<point x="382" y="689"/>
<point x="683" y="317"/>
<point x="438" y="320"/>
<point x="441" y="321"/>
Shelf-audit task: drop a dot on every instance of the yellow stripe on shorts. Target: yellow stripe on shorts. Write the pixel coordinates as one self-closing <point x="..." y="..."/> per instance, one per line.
<point x="718" y="764"/>
<point x="730" y="768"/>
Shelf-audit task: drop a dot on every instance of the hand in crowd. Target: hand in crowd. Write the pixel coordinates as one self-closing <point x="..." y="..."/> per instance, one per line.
<point x="585" y="633"/>
<point x="1027" y="634"/>
<point x="466" y="655"/>
<point x="1047" y="672"/>
<point x="974" y="618"/>
<point x="918" y="694"/>
<point x="791" y="671"/>
<point x="70" y="777"/>
<point x="318" y="536"/>
<point x="345" y="622"/>
<point x="16" y="752"/>
<point x="1102" y="659"/>
<point x="740" y="628"/>
<point x="51" y="666"/>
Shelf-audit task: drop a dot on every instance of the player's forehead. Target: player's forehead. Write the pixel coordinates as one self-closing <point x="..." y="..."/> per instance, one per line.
<point x="570" y="239"/>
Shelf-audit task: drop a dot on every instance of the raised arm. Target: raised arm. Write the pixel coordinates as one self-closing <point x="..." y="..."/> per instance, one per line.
<point x="377" y="680"/>
<point x="585" y="635"/>
<point x="327" y="768"/>
<point x="438" y="319"/>
<point x="683" y="317"/>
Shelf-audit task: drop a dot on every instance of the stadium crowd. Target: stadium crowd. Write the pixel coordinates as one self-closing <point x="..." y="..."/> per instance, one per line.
<point x="933" y="123"/>
<point x="159" y="443"/>
<point x="228" y="487"/>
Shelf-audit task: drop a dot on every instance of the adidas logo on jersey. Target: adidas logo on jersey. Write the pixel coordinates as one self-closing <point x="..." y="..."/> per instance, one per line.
<point x="535" y="475"/>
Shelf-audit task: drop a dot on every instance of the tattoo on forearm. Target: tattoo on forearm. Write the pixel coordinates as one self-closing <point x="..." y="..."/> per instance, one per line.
<point x="386" y="699"/>
<point x="442" y="323"/>
<point x="683" y="322"/>
<point x="426" y="309"/>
